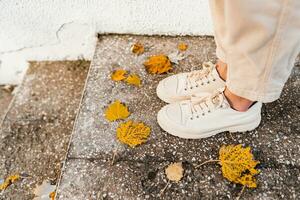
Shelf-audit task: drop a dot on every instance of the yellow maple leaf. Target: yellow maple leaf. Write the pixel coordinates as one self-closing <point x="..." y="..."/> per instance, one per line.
<point x="118" y="75"/>
<point x="9" y="180"/>
<point x="133" y="133"/>
<point x="182" y="46"/>
<point x="133" y="79"/>
<point x="238" y="165"/>
<point x="174" y="172"/>
<point x="158" y="64"/>
<point x="116" y="111"/>
<point x="137" y="48"/>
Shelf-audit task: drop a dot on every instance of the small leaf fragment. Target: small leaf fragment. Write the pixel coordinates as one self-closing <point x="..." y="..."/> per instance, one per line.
<point x="158" y="64"/>
<point x="174" y="172"/>
<point x="118" y="75"/>
<point x="238" y="165"/>
<point x="9" y="180"/>
<point x="44" y="191"/>
<point x="133" y="79"/>
<point x="52" y="195"/>
<point x="182" y="46"/>
<point x="137" y="48"/>
<point x="248" y="180"/>
<point x="116" y="111"/>
<point x="133" y="133"/>
<point x="175" y="57"/>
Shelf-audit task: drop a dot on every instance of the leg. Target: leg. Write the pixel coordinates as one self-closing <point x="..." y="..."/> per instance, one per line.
<point x="260" y="44"/>
<point x="218" y="16"/>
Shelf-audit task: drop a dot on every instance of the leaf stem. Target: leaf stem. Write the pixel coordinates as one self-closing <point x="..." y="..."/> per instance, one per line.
<point x="163" y="190"/>
<point x="208" y="161"/>
<point x="241" y="192"/>
<point x="114" y="157"/>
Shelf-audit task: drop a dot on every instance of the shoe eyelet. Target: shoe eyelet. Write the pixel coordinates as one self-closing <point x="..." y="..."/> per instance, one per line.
<point x="209" y="111"/>
<point x="191" y="118"/>
<point x="191" y="87"/>
<point x="208" y="82"/>
<point x="202" y="83"/>
<point x="185" y="89"/>
<point x="214" y="79"/>
<point x="197" y="85"/>
<point x="203" y="114"/>
<point x="197" y="116"/>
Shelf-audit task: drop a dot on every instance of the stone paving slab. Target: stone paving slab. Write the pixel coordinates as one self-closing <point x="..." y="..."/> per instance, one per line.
<point x="5" y="99"/>
<point x="36" y="130"/>
<point x="275" y="143"/>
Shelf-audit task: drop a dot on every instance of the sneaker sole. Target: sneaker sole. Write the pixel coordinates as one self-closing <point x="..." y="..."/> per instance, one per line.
<point x="238" y="128"/>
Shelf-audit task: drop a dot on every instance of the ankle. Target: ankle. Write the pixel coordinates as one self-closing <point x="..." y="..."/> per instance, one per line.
<point x="221" y="68"/>
<point x="236" y="102"/>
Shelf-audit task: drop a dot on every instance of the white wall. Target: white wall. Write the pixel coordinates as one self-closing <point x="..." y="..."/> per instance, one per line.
<point x="66" y="29"/>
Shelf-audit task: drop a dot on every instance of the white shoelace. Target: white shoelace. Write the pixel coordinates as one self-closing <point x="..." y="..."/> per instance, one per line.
<point x="200" y="77"/>
<point x="203" y="105"/>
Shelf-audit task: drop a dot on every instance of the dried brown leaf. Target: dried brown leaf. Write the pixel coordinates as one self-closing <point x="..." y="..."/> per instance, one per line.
<point x="133" y="133"/>
<point x="116" y="111"/>
<point x="9" y="180"/>
<point x="182" y="46"/>
<point x="133" y="79"/>
<point x="174" y="172"/>
<point x="137" y="48"/>
<point x="238" y="165"/>
<point x="118" y="75"/>
<point x="158" y="64"/>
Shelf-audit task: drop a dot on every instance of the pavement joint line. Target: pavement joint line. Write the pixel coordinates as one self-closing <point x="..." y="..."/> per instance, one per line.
<point x="266" y="164"/>
<point x="118" y="160"/>
<point x="78" y="110"/>
<point x="18" y="90"/>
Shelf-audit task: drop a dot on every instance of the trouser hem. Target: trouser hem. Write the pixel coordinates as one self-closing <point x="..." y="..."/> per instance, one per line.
<point x="253" y="95"/>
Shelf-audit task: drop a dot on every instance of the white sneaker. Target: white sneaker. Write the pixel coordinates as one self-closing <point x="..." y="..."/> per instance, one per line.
<point x="181" y="86"/>
<point x="203" y="117"/>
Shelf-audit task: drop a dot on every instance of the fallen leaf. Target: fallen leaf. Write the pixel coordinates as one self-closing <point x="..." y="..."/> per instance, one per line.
<point x="133" y="133"/>
<point x="116" y="111"/>
<point x="52" y="195"/>
<point x="133" y="79"/>
<point x="8" y="88"/>
<point x="158" y="64"/>
<point x="137" y="48"/>
<point x="182" y="46"/>
<point x="9" y="180"/>
<point x="118" y="75"/>
<point x="177" y="56"/>
<point x="174" y="172"/>
<point x="44" y="191"/>
<point x="238" y="165"/>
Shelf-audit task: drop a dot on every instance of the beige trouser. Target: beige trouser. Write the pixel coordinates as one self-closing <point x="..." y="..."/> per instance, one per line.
<point x="259" y="41"/>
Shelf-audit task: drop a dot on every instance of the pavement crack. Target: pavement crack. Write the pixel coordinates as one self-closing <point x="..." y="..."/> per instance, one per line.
<point x="58" y="41"/>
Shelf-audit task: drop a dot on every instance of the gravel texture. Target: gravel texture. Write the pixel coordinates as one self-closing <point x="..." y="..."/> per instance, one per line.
<point x="138" y="173"/>
<point x="36" y="130"/>
<point x="5" y="99"/>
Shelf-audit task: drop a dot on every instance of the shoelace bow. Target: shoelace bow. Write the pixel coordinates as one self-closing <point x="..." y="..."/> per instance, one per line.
<point x="202" y="105"/>
<point x="200" y="77"/>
